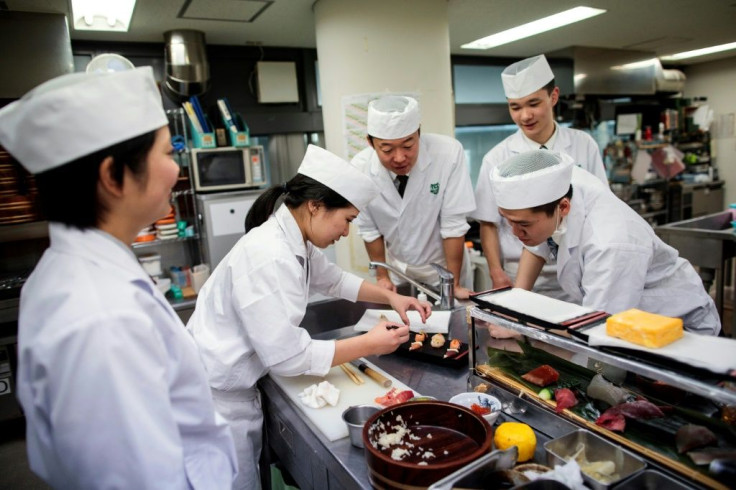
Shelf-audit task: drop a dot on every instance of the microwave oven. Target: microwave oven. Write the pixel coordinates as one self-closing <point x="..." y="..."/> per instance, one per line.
<point x="227" y="168"/>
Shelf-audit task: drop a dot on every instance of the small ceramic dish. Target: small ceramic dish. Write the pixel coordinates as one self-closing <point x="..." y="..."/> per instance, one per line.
<point x="482" y="401"/>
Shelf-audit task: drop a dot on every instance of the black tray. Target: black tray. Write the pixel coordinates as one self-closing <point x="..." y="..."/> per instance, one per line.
<point x="590" y="319"/>
<point x="431" y="354"/>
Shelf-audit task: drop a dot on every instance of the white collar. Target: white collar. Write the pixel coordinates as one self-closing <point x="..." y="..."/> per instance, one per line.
<point x="549" y="144"/>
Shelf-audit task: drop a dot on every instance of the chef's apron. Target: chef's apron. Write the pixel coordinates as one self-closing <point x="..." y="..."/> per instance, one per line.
<point x="243" y="412"/>
<point x="427" y="274"/>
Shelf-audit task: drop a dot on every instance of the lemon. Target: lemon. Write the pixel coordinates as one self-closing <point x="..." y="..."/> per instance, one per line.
<point x="516" y="434"/>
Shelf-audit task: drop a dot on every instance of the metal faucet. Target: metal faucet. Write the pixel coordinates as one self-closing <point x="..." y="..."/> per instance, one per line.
<point x="446" y="295"/>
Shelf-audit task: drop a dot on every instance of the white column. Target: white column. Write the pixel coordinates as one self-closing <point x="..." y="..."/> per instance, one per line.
<point x="382" y="46"/>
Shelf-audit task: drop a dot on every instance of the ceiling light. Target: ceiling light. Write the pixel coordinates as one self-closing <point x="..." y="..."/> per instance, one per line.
<point x="700" y="52"/>
<point x="102" y="15"/>
<point x="535" y="27"/>
<point x="636" y="65"/>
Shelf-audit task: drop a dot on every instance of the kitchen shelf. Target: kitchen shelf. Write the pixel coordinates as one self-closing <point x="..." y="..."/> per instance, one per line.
<point x="157" y="242"/>
<point x="654" y="372"/>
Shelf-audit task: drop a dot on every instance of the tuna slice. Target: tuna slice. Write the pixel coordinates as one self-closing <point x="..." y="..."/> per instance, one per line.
<point x="611" y="421"/>
<point x="542" y="376"/>
<point x="692" y="436"/>
<point x="613" y="418"/>
<point x="565" y="398"/>
<point x="600" y="389"/>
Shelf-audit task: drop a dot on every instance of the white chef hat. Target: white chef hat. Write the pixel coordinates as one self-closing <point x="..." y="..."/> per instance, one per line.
<point x="532" y="178"/>
<point x="74" y="115"/>
<point x="339" y="175"/>
<point x="526" y="77"/>
<point x="392" y="117"/>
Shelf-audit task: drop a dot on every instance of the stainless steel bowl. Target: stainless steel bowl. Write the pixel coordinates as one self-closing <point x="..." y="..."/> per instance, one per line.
<point x="355" y="418"/>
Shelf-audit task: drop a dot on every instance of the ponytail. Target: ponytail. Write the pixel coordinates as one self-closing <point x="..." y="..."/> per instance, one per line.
<point x="297" y="191"/>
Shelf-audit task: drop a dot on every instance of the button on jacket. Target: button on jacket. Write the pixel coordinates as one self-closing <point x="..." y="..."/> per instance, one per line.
<point x="437" y="200"/>
<point x="584" y="151"/>
<point x="113" y="390"/>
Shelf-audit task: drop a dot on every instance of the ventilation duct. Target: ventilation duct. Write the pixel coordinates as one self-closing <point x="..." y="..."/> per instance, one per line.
<point x="603" y="71"/>
<point x="187" y="70"/>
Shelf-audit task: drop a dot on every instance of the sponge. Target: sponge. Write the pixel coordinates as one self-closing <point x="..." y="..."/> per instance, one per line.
<point x="643" y="328"/>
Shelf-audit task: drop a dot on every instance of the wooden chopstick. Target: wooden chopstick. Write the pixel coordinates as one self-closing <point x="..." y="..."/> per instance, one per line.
<point x="353" y="377"/>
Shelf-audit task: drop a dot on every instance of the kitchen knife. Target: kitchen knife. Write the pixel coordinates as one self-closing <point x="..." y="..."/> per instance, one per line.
<point x="371" y="373"/>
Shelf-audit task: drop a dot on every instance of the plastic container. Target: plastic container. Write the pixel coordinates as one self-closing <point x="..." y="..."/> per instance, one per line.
<point x="151" y="263"/>
<point x="200" y="274"/>
<point x="355" y="418"/>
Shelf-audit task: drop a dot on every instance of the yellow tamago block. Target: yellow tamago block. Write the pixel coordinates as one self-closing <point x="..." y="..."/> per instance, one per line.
<point x="642" y="328"/>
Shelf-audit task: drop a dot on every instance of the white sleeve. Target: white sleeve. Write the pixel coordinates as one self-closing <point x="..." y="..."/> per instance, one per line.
<point x="458" y="200"/>
<point x="118" y="387"/>
<point x="594" y="161"/>
<point x="485" y="202"/>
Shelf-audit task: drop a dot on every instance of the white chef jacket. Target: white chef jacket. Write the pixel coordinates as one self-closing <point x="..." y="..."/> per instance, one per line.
<point x="113" y="390"/>
<point x="246" y="323"/>
<point x="586" y="154"/>
<point x="437" y="200"/>
<point x="610" y="259"/>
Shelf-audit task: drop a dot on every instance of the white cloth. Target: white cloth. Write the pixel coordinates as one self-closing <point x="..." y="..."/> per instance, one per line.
<point x="526" y="77"/>
<point x="586" y="155"/>
<point x="436" y="203"/>
<point x="392" y="117"/>
<point x="524" y="181"/>
<point x="113" y="390"/>
<point x="78" y="114"/>
<point x="337" y="174"/>
<point x="246" y="321"/>
<point x="610" y="259"/>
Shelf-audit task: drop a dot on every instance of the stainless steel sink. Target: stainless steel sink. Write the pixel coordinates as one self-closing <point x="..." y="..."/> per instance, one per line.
<point x="714" y="222"/>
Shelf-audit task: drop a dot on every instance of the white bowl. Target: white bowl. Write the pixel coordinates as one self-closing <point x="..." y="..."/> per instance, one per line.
<point x="482" y="399"/>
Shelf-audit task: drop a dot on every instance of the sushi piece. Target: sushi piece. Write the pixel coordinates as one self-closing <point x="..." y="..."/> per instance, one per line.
<point x="438" y="340"/>
<point x="565" y="398"/>
<point x="693" y="436"/>
<point x="615" y="417"/>
<point x="418" y="341"/>
<point x="453" y="350"/>
<point x="542" y="376"/>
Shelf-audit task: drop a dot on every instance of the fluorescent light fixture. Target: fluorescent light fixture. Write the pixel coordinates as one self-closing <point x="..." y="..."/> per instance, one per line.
<point x="700" y="52"/>
<point x="535" y="27"/>
<point x="102" y="15"/>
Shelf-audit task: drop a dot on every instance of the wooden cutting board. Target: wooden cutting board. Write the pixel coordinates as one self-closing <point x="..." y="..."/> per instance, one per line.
<point x="329" y="419"/>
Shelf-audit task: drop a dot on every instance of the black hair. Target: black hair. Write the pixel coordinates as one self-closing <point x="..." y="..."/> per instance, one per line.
<point x="68" y="193"/>
<point x="549" y="208"/>
<point x="550" y="86"/>
<point x="297" y="191"/>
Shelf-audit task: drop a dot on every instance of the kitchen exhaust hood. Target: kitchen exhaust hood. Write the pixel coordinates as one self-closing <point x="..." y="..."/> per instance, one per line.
<point x="187" y="69"/>
<point x="34" y="48"/>
<point x="603" y="71"/>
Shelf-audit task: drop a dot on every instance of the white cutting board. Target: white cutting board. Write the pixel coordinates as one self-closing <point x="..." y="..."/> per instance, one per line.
<point x="328" y="418"/>
<point x="717" y="354"/>
<point x="438" y="321"/>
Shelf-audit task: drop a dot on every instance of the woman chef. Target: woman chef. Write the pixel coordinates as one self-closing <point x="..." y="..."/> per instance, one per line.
<point x="247" y="317"/>
<point x="608" y="257"/>
<point x="113" y="390"/>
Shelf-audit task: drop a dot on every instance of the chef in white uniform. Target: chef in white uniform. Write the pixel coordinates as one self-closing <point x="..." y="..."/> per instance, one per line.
<point x="608" y="257"/>
<point x="112" y="386"/>
<point x="246" y="321"/>
<point x="422" y="220"/>
<point x="529" y="86"/>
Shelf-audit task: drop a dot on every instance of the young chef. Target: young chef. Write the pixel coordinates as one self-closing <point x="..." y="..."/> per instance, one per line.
<point x="531" y="94"/>
<point x="608" y="257"/>
<point x="247" y="317"/>
<point x="112" y="386"/>
<point x="426" y="194"/>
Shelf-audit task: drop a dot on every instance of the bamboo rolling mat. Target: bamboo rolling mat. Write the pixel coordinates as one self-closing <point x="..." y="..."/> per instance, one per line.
<point x="500" y="377"/>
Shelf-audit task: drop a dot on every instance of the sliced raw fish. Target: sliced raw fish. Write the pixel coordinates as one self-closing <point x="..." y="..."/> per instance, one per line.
<point x="612" y="421"/>
<point x="708" y="454"/>
<point x="565" y="398"/>
<point x="600" y="389"/>
<point x="542" y="376"/>
<point x="693" y="436"/>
